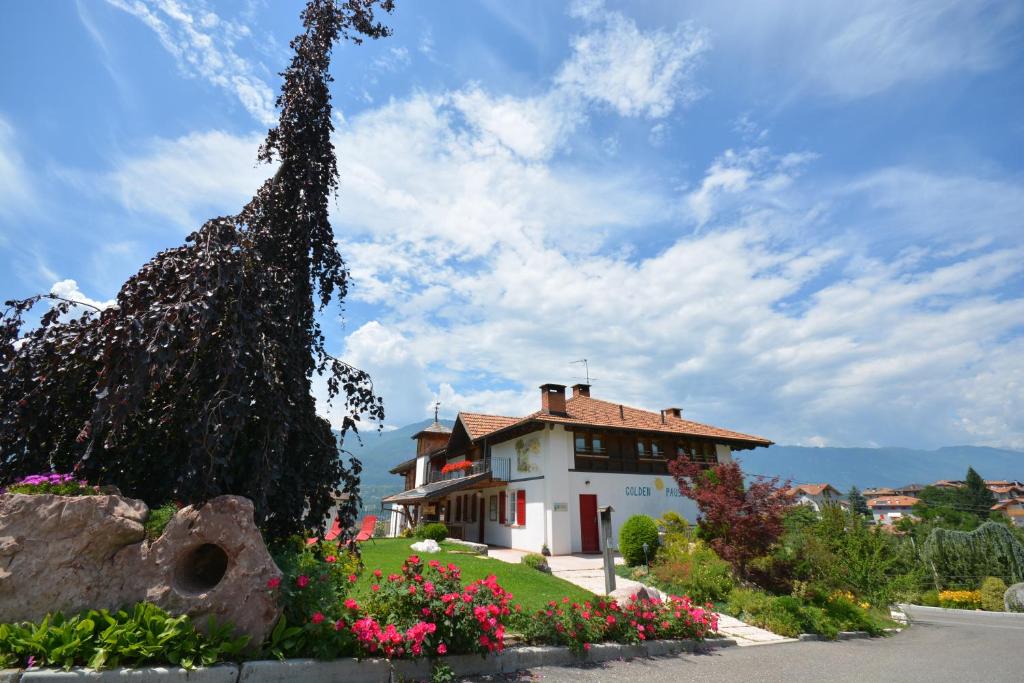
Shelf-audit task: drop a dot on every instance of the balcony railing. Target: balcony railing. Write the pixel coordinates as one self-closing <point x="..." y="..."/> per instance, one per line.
<point x="499" y="468"/>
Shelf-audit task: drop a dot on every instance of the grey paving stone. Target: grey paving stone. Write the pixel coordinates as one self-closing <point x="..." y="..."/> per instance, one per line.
<point x="293" y="670"/>
<point x="10" y="675"/>
<point x="853" y="635"/>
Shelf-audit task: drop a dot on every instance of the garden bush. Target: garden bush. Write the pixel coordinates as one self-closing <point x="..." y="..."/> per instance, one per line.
<point x="100" y="639"/>
<point x="992" y="590"/>
<point x="960" y="599"/>
<point x="435" y="531"/>
<point x="790" y="615"/>
<point x="699" y="574"/>
<point x="536" y="561"/>
<point x="634" y="533"/>
<point x="930" y="598"/>
<point x="158" y="520"/>
<point x="577" y="625"/>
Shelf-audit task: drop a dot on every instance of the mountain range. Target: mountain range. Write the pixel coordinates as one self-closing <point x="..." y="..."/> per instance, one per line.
<point x="841" y="467"/>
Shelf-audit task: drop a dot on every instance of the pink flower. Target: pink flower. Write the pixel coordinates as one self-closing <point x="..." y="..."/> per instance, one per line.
<point x="377" y="573"/>
<point x="586" y="646"/>
<point x="351" y="604"/>
<point x="318" y="618"/>
<point x="339" y="624"/>
<point x="352" y="578"/>
<point x="302" y="581"/>
<point x="442" y="649"/>
<point x="330" y="559"/>
<point x="274" y="583"/>
<point x="375" y="588"/>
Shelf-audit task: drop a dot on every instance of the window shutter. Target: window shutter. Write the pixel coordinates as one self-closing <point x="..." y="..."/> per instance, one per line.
<point x="501" y="507"/>
<point x="521" y="507"/>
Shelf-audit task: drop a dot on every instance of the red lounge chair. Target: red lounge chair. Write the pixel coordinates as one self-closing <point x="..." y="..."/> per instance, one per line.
<point x="331" y="535"/>
<point x="366" y="530"/>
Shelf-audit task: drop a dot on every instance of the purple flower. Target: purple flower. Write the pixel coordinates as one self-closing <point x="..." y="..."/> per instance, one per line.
<point x="30" y="662"/>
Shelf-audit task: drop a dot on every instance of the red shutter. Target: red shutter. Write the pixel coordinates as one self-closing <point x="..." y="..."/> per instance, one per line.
<point x="502" y="507"/>
<point x="521" y="507"/>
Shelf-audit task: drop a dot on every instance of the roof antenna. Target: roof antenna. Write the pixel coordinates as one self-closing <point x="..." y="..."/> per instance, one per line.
<point x="437" y="405"/>
<point x="586" y="368"/>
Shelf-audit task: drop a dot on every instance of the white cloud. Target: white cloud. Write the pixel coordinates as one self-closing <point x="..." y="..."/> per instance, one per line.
<point x="187" y="180"/>
<point x="637" y="73"/>
<point x="15" y="189"/>
<point x="68" y="289"/>
<point x="857" y="49"/>
<point x="204" y="45"/>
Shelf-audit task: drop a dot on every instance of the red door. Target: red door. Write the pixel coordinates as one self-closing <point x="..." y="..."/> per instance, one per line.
<point x="480" y="538"/>
<point x="588" y="523"/>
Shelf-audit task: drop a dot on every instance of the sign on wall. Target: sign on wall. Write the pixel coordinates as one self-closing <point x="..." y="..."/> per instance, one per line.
<point x="561" y="507"/>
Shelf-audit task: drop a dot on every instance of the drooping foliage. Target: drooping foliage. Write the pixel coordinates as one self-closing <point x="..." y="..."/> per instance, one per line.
<point x="739" y="521"/>
<point x="964" y="558"/>
<point x="197" y="381"/>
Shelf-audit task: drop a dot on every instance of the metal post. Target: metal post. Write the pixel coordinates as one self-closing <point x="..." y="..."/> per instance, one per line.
<point x="605" y="515"/>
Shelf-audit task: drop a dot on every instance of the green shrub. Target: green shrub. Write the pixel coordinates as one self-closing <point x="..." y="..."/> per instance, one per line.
<point x="316" y="578"/>
<point x="992" y="590"/>
<point x="536" y="561"/>
<point x="55" y="484"/>
<point x="158" y="520"/>
<point x="790" y="616"/>
<point x="100" y="639"/>
<point x="930" y="598"/>
<point x="635" y="532"/>
<point x="435" y="531"/>
<point x="701" y="575"/>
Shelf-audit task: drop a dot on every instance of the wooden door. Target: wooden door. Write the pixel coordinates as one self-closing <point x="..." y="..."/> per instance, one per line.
<point x="591" y="542"/>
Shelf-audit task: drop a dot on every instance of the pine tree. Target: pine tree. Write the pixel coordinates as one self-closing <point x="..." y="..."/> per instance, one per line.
<point x="858" y="503"/>
<point x="975" y="496"/>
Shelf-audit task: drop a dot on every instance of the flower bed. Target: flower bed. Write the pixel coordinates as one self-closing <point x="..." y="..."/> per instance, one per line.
<point x="56" y="484"/>
<point x="960" y="599"/>
<point x="457" y="467"/>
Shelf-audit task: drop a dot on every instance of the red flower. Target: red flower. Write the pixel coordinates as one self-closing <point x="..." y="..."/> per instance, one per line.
<point x="377" y="573"/>
<point x="375" y="588"/>
<point x="302" y="581"/>
<point x="586" y="646"/>
<point x="274" y="583"/>
<point x="317" y="618"/>
<point x="352" y="578"/>
<point x="351" y="604"/>
<point x="442" y="649"/>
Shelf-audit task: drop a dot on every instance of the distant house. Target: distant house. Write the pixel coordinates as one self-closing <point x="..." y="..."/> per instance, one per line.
<point x="949" y="484"/>
<point x="540" y="480"/>
<point x="815" y="496"/>
<point x="909" y="490"/>
<point x="1013" y="509"/>
<point x="889" y="509"/>
<point x="1006" y="490"/>
<point x="878" y="491"/>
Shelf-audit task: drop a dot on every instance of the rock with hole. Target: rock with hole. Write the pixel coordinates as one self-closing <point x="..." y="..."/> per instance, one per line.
<point x="69" y="554"/>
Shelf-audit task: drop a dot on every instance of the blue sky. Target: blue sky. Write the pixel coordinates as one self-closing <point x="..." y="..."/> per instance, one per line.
<point x="802" y="219"/>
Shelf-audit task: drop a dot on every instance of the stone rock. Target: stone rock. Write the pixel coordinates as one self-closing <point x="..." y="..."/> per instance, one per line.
<point x="428" y="545"/>
<point x="69" y="554"/>
<point x="1013" y="598"/>
<point x="624" y="596"/>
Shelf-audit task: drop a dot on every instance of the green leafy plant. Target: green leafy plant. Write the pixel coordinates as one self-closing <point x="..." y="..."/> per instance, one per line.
<point x="699" y="574"/>
<point x="435" y="531"/>
<point x="536" y="561"/>
<point x="633" y="534"/>
<point x="992" y="590"/>
<point x="158" y="520"/>
<point x="960" y="558"/>
<point x="100" y="639"/>
<point x="442" y="673"/>
<point x="790" y="615"/>
<point x="315" y="579"/>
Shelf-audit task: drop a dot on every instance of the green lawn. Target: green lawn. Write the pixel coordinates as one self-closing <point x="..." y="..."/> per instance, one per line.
<point x="529" y="587"/>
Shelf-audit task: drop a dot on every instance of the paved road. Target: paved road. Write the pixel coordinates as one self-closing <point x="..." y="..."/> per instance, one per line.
<point x="939" y="646"/>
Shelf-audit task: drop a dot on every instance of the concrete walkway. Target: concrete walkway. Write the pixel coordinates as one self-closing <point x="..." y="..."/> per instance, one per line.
<point x="587" y="571"/>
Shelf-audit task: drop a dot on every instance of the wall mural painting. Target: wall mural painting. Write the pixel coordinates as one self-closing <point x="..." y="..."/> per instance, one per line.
<point x="525" y="448"/>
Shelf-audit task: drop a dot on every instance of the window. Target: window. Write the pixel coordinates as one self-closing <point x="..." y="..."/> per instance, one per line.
<point x="458" y="509"/>
<point x="513" y="497"/>
<point x="502" y="508"/>
<point x="473" y="505"/>
<point x="521" y="507"/>
<point x="581" y="443"/>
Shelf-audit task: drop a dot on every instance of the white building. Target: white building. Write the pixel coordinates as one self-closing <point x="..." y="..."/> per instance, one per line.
<point x="890" y="509"/>
<point x="539" y="480"/>
<point x="816" y="496"/>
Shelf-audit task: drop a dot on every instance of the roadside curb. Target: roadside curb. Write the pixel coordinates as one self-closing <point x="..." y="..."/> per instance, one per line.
<point x="950" y="610"/>
<point x="842" y="635"/>
<point x="372" y="670"/>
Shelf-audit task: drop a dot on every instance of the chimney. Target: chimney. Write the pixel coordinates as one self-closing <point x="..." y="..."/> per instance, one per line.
<point x="552" y="399"/>
<point x="580" y="390"/>
<point x="674" y="412"/>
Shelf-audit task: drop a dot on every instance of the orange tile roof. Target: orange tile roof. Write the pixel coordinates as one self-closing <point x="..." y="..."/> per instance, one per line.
<point x="811" y="489"/>
<point x="1010" y="502"/>
<point x="1004" y="489"/>
<point x="585" y="411"/>
<point x="479" y="425"/>
<point x="893" y="501"/>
